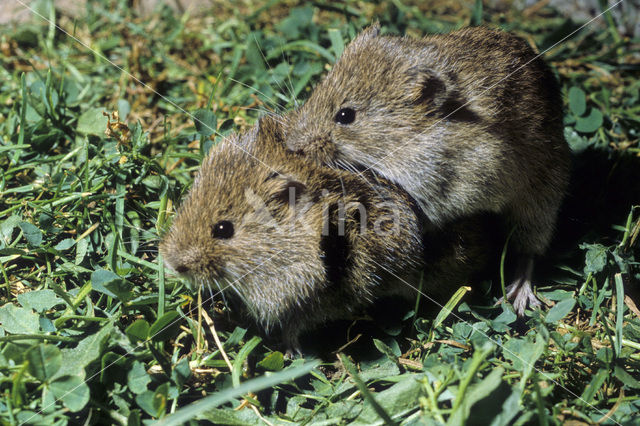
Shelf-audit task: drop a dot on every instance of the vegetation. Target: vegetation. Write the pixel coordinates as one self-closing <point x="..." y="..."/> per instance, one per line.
<point x="98" y="142"/>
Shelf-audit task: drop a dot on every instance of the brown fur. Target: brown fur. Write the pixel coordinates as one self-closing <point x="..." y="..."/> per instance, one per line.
<point x="279" y="268"/>
<point x="288" y="271"/>
<point x="465" y="122"/>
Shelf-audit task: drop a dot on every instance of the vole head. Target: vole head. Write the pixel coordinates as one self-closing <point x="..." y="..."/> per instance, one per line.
<point x="381" y="92"/>
<point x="237" y="227"/>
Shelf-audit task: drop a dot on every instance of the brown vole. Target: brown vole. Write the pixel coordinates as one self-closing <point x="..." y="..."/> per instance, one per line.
<point x="466" y="122"/>
<point x="300" y="244"/>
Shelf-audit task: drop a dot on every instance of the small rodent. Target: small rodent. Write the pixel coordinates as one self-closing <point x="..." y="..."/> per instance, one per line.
<point x="465" y="122"/>
<point x="268" y="224"/>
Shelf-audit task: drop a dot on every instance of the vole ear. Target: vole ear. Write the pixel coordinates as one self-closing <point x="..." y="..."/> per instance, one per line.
<point x="430" y="90"/>
<point x="270" y="128"/>
<point x="371" y="31"/>
<point x="439" y="95"/>
<point x="368" y="33"/>
<point x="288" y="190"/>
<point x="291" y="192"/>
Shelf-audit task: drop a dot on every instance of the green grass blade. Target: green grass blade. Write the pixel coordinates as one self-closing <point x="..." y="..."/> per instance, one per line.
<point x="191" y="411"/>
<point x="366" y="393"/>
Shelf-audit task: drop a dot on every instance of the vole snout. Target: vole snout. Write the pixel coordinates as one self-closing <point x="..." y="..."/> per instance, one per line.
<point x="319" y="148"/>
<point x="191" y="262"/>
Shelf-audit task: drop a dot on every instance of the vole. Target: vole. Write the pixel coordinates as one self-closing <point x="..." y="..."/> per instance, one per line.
<point x="300" y="244"/>
<point x="465" y="122"/>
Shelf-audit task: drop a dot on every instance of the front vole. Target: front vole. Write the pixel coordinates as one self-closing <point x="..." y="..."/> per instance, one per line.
<point x="297" y="244"/>
<point x="465" y="122"/>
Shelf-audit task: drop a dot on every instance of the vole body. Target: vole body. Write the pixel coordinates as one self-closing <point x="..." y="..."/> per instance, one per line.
<point x="465" y="122"/>
<point x="268" y="226"/>
<point x="290" y="254"/>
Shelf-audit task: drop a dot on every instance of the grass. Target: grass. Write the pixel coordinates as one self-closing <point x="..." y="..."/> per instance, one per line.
<point x="92" y="330"/>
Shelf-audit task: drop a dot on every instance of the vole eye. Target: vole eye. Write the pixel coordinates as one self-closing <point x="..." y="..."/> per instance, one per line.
<point x="222" y="229"/>
<point x="345" y="116"/>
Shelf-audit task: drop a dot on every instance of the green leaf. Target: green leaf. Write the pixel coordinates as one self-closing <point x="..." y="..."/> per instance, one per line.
<point x="138" y="331"/>
<point x="560" y="310"/>
<point x="337" y="43"/>
<point x="74" y="360"/>
<point x="65" y="244"/>
<point x="299" y="18"/>
<point x="236" y="337"/>
<point x="519" y="351"/>
<point x="242" y="355"/>
<point x="93" y="122"/>
<point x="72" y="391"/>
<point x="450" y="306"/>
<point x="39" y="300"/>
<point x="145" y="401"/>
<point x="476" y="14"/>
<point x="81" y="250"/>
<point x="474" y="394"/>
<point x="595" y="259"/>
<point x="31" y="233"/>
<point x="524" y="353"/>
<point x="138" y="378"/>
<point x="594" y="386"/>
<point x="395" y="400"/>
<point x="274" y="361"/>
<point x="155" y="402"/>
<point x="577" y="101"/>
<point x="576" y="142"/>
<point x="44" y="361"/>
<point x="510" y="409"/>
<point x="111" y="284"/>
<point x="181" y="372"/>
<point x="165" y="327"/>
<point x="619" y="312"/>
<point x="205" y="121"/>
<point x="590" y="123"/>
<point x="385" y="349"/>
<point x="124" y="108"/>
<point x="302" y="46"/>
<point x="220" y="416"/>
<point x="626" y="378"/>
<point x="385" y="369"/>
<point x="6" y="229"/>
<point x="18" y="320"/>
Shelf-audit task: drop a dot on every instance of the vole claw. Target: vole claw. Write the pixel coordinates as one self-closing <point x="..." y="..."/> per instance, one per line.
<point x="519" y="292"/>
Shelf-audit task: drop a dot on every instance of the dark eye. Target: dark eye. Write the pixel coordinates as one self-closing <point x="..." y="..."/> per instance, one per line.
<point x="222" y="229"/>
<point x="345" y="116"/>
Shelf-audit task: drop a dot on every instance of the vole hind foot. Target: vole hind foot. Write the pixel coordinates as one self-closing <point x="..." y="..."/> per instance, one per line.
<point x="291" y="344"/>
<point x="519" y="292"/>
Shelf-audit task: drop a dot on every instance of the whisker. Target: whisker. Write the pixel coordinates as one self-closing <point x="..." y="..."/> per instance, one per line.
<point x="267" y="98"/>
<point x="269" y="66"/>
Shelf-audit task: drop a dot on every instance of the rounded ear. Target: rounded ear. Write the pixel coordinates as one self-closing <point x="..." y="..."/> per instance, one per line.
<point x="289" y="190"/>
<point x="268" y="139"/>
<point x="438" y="95"/>
<point x="430" y="90"/>
<point x="270" y="127"/>
<point x="368" y="33"/>
<point x="371" y="31"/>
